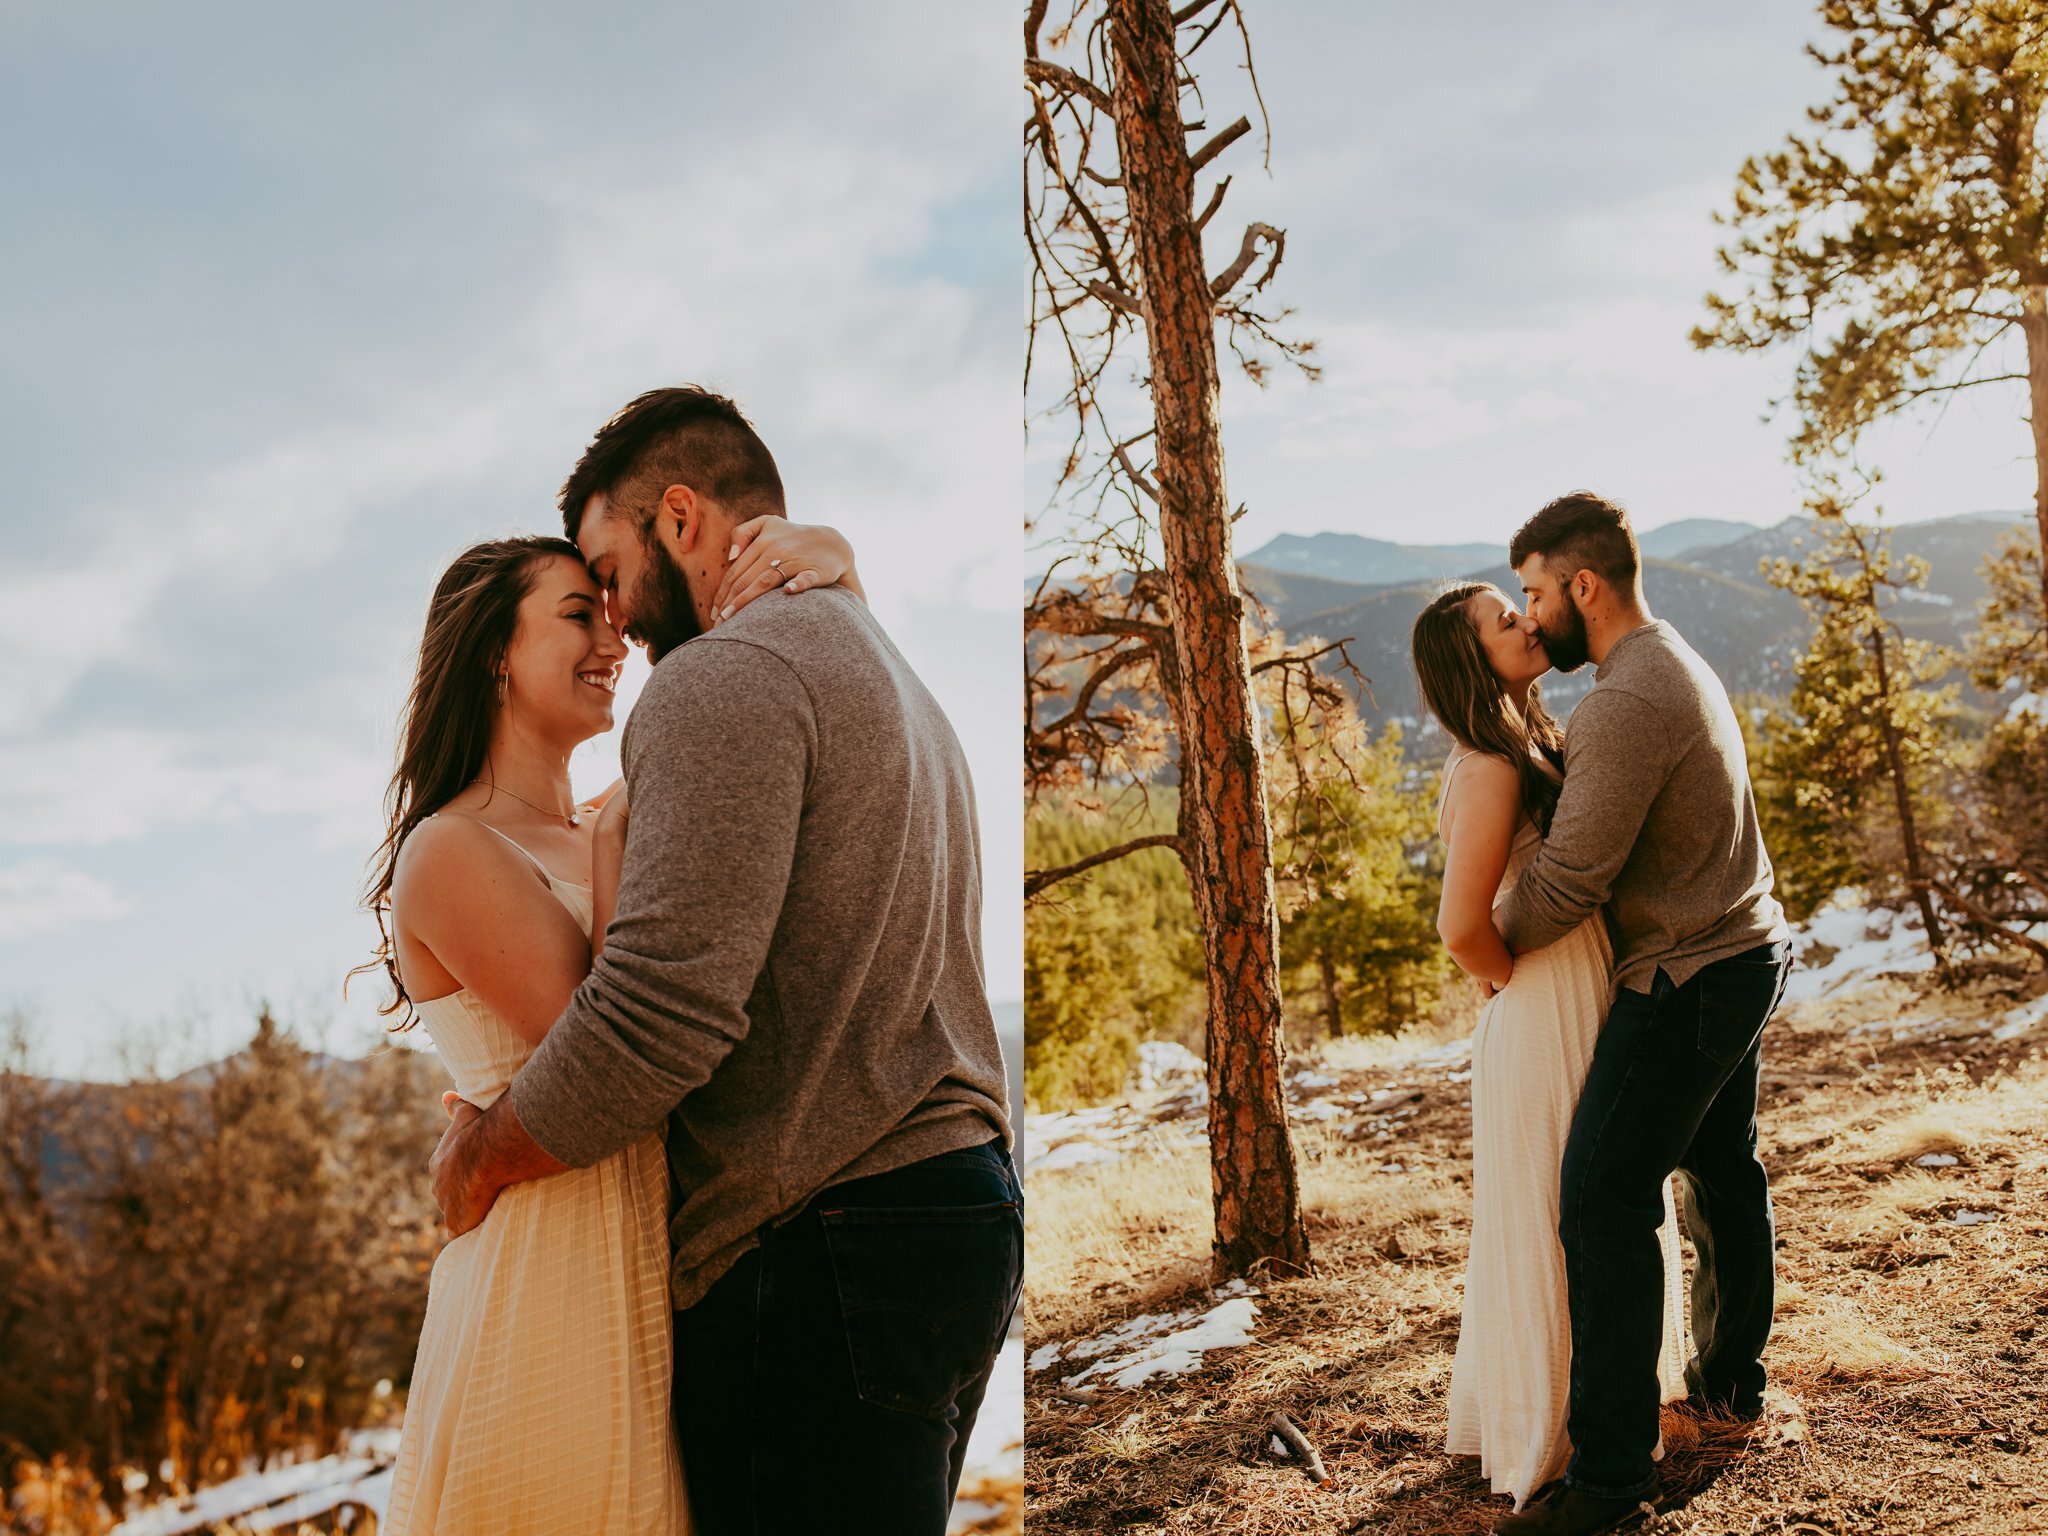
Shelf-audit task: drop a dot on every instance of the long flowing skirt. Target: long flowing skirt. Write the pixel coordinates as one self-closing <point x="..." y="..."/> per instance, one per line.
<point x="1510" y="1382"/>
<point x="540" y="1395"/>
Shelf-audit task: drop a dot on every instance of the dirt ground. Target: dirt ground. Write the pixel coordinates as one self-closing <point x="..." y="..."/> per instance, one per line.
<point x="1908" y="1378"/>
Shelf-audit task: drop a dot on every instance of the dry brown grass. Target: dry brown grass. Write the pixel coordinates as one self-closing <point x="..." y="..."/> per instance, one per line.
<point x="1909" y="1381"/>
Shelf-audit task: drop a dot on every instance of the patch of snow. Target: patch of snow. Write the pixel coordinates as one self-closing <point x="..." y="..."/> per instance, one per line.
<point x="1938" y="1160"/>
<point x="1159" y="1343"/>
<point x="1226" y="1325"/>
<point x="1971" y="1218"/>
<point x="277" y="1499"/>
<point x="1072" y="1154"/>
<point x="1313" y="1080"/>
<point x="1168" y="1064"/>
<point x="2020" y="1020"/>
<point x="1320" y="1109"/>
<point x="1863" y="942"/>
<point x="995" y="1449"/>
<point x="1915" y="1028"/>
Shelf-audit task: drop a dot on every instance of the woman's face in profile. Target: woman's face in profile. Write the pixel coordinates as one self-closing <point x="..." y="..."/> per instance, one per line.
<point x="1513" y="645"/>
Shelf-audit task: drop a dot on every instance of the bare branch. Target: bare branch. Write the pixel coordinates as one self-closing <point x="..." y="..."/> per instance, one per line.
<point x="1247" y="253"/>
<point x="1115" y="297"/>
<point x="1190" y="11"/>
<point x="1987" y="920"/>
<point x="1220" y="143"/>
<point x="1137" y="475"/>
<point x="1037" y="880"/>
<point x="1215" y="202"/>
<point x="1294" y="659"/>
<point x="1059" y="78"/>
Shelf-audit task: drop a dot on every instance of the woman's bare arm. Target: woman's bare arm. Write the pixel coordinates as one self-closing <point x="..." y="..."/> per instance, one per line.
<point x="485" y="914"/>
<point x="607" y="858"/>
<point x="1480" y="816"/>
<point x="772" y="552"/>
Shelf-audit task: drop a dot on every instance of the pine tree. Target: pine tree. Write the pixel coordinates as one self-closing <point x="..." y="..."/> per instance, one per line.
<point x="1110" y="957"/>
<point x="1118" y="262"/>
<point x="1902" y="242"/>
<point x="1356" y="869"/>
<point x="1865" y="723"/>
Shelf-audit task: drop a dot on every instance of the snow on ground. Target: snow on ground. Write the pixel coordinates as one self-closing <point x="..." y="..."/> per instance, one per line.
<point x="1158" y="1343"/>
<point x="1842" y="945"/>
<point x="1167" y="1064"/>
<point x="997" y="1446"/>
<point x="2027" y="1016"/>
<point x="281" y="1497"/>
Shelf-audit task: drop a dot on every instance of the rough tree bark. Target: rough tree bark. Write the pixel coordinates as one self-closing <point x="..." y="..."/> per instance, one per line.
<point x="1254" y="1178"/>
<point x="2034" y="327"/>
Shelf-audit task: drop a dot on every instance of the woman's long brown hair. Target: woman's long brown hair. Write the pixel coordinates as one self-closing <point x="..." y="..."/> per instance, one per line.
<point x="445" y="730"/>
<point x="1462" y="691"/>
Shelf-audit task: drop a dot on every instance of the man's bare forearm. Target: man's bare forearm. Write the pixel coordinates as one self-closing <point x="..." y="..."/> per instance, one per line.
<point x="482" y="1159"/>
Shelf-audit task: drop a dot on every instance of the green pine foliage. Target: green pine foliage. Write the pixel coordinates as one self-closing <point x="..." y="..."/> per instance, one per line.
<point x="1849" y="765"/>
<point x="1359" y="871"/>
<point x="1111" y="957"/>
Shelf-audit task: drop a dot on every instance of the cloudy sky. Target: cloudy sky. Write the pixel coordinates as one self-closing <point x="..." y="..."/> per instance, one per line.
<point x="299" y="302"/>
<point x="1499" y="229"/>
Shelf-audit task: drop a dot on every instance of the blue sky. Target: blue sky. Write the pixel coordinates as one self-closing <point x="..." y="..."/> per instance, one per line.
<point x="299" y="303"/>
<point x="1499" y="229"/>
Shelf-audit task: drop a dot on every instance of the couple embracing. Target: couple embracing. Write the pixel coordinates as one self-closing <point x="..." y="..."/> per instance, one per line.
<point x="737" y="1236"/>
<point x="1611" y="891"/>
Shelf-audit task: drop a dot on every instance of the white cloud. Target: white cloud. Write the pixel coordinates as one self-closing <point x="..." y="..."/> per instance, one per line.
<point x="115" y="785"/>
<point x="42" y="896"/>
<point x="883" y="390"/>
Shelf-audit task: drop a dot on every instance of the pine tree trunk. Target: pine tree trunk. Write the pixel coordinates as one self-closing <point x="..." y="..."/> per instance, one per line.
<point x="1908" y="832"/>
<point x="2034" y="325"/>
<point x="1333" y="1000"/>
<point x="1252" y="1167"/>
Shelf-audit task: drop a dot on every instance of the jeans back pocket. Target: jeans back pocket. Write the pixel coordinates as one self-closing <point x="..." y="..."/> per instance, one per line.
<point x="1736" y="1000"/>
<point x="927" y="1293"/>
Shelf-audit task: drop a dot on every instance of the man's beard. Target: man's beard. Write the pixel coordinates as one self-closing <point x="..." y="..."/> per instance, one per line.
<point x="1566" y="645"/>
<point x="664" y="616"/>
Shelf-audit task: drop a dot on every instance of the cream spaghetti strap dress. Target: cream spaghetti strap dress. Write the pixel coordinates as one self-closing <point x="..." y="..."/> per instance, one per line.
<point x="540" y="1395"/>
<point x="1511" y="1379"/>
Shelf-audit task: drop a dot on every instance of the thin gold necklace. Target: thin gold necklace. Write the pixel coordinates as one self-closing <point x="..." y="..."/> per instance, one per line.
<point x="569" y="817"/>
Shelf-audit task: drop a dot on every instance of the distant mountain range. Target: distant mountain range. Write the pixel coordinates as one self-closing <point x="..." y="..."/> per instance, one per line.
<point x="1702" y="574"/>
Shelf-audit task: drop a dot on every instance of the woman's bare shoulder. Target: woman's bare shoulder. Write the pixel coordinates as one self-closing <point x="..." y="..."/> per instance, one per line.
<point x="447" y="855"/>
<point x="1485" y="771"/>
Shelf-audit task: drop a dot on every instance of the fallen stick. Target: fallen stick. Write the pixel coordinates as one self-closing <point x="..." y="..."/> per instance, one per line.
<point x="1282" y="1428"/>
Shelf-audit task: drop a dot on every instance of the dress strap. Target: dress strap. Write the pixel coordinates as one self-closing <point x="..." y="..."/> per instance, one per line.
<point x="1443" y="794"/>
<point x="545" y="873"/>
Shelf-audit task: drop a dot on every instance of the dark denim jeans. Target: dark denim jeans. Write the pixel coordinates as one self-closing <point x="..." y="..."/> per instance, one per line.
<point x="829" y="1380"/>
<point x="1673" y="1085"/>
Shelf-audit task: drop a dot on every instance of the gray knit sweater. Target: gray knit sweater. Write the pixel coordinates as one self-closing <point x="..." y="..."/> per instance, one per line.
<point x="1655" y="822"/>
<point x="794" y="977"/>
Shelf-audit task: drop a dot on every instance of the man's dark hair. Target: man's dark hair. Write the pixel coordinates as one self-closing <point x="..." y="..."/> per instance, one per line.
<point x="1582" y="532"/>
<point x="682" y="436"/>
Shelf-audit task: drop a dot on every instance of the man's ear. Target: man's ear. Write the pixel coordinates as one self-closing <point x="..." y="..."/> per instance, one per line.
<point x="1586" y="587"/>
<point x="682" y="517"/>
